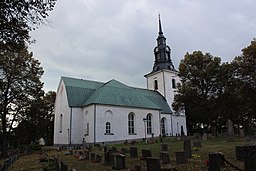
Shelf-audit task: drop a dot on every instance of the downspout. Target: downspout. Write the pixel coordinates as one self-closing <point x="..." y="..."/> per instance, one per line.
<point x="171" y="124"/>
<point x="94" y="139"/>
<point x="160" y="121"/>
<point x="70" y="129"/>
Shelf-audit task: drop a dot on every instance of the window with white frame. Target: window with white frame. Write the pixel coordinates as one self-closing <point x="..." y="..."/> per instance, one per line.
<point x="61" y="122"/>
<point x="131" y="123"/>
<point x="108" y="128"/>
<point x="149" y="123"/>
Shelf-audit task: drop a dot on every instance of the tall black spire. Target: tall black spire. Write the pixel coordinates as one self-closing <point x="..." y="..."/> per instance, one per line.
<point x="162" y="52"/>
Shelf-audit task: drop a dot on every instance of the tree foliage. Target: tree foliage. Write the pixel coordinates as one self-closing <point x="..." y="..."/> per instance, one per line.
<point x="38" y="118"/>
<point x="18" y="17"/>
<point x="20" y="84"/>
<point x="211" y="92"/>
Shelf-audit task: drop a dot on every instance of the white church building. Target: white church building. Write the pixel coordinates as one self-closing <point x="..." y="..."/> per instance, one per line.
<point x="96" y="112"/>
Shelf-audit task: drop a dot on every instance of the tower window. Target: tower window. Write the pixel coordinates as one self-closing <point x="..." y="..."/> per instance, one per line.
<point x="173" y="83"/>
<point x="155" y="85"/>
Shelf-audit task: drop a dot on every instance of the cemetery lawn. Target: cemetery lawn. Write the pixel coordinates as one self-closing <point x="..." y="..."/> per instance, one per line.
<point x="196" y="163"/>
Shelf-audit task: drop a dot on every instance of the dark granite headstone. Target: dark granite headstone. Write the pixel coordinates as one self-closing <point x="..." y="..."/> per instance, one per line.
<point x="120" y="161"/>
<point x="240" y="153"/>
<point x="145" y="154"/>
<point x="250" y="158"/>
<point x="106" y="158"/>
<point x="112" y="159"/>
<point x="98" y="159"/>
<point x="87" y="154"/>
<point x="92" y="157"/>
<point x="134" y="151"/>
<point x="153" y="164"/>
<point x="214" y="162"/>
<point x="164" y="157"/>
<point x="187" y="148"/>
<point x="181" y="157"/>
<point x="164" y="147"/>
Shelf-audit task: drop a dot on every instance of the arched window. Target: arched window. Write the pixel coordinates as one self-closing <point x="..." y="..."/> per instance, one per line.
<point x="163" y="125"/>
<point x="155" y="85"/>
<point x="131" y="123"/>
<point x="149" y="124"/>
<point x="173" y="83"/>
<point x="108" y="128"/>
<point x="61" y="122"/>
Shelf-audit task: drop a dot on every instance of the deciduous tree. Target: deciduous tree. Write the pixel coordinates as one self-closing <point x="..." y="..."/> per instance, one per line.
<point x="19" y="17"/>
<point x="20" y="84"/>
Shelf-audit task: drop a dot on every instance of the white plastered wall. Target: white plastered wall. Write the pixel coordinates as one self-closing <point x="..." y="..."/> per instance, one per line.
<point x="118" y="117"/>
<point x="61" y="107"/>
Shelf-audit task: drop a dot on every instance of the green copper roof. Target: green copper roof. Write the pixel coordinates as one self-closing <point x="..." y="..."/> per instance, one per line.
<point x="83" y="93"/>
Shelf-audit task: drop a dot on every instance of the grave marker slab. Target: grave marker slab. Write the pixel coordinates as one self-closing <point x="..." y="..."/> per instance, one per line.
<point x="120" y="161"/>
<point x="187" y="148"/>
<point x="181" y="157"/>
<point x="134" y="151"/>
<point x="164" y="157"/>
<point x="164" y="147"/>
<point x="240" y="153"/>
<point x="153" y="164"/>
<point x="146" y="153"/>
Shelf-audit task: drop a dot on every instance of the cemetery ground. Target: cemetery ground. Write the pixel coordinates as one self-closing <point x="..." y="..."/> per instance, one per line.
<point x="196" y="163"/>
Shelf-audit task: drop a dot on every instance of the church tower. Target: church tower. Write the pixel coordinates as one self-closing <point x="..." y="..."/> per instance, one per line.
<point x="164" y="78"/>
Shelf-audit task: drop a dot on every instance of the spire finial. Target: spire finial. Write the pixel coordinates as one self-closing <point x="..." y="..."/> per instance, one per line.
<point x="160" y="27"/>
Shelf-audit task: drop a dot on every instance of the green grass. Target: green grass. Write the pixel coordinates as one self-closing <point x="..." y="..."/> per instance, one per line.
<point x="196" y="163"/>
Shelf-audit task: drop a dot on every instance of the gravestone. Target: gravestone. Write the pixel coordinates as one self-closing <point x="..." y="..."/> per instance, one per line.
<point x="205" y="137"/>
<point x="106" y="158"/>
<point x="98" y="159"/>
<point x="181" y="157"/>
<point x="187" y="148"/>
<point x="230" y="128"/>
<point x="250" y="158"/>
<point x="164" y="157"/>
<point x="153" y="164"/>
<point x="241" y="132"/>
<point x="120" y="161"/>
<point x="164" y="147"/>
<point x="214" y="162"/>
<point x="87" y="154"/>
<point x="92" y="157"/>
<point x="134" y="151"/>
<point x="112" y="159"/>
<point x="240" y="153"/>
<point x="146" y="153"/>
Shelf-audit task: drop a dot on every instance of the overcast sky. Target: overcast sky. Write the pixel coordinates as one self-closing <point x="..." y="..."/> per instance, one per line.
<point x="114" y="39"/>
